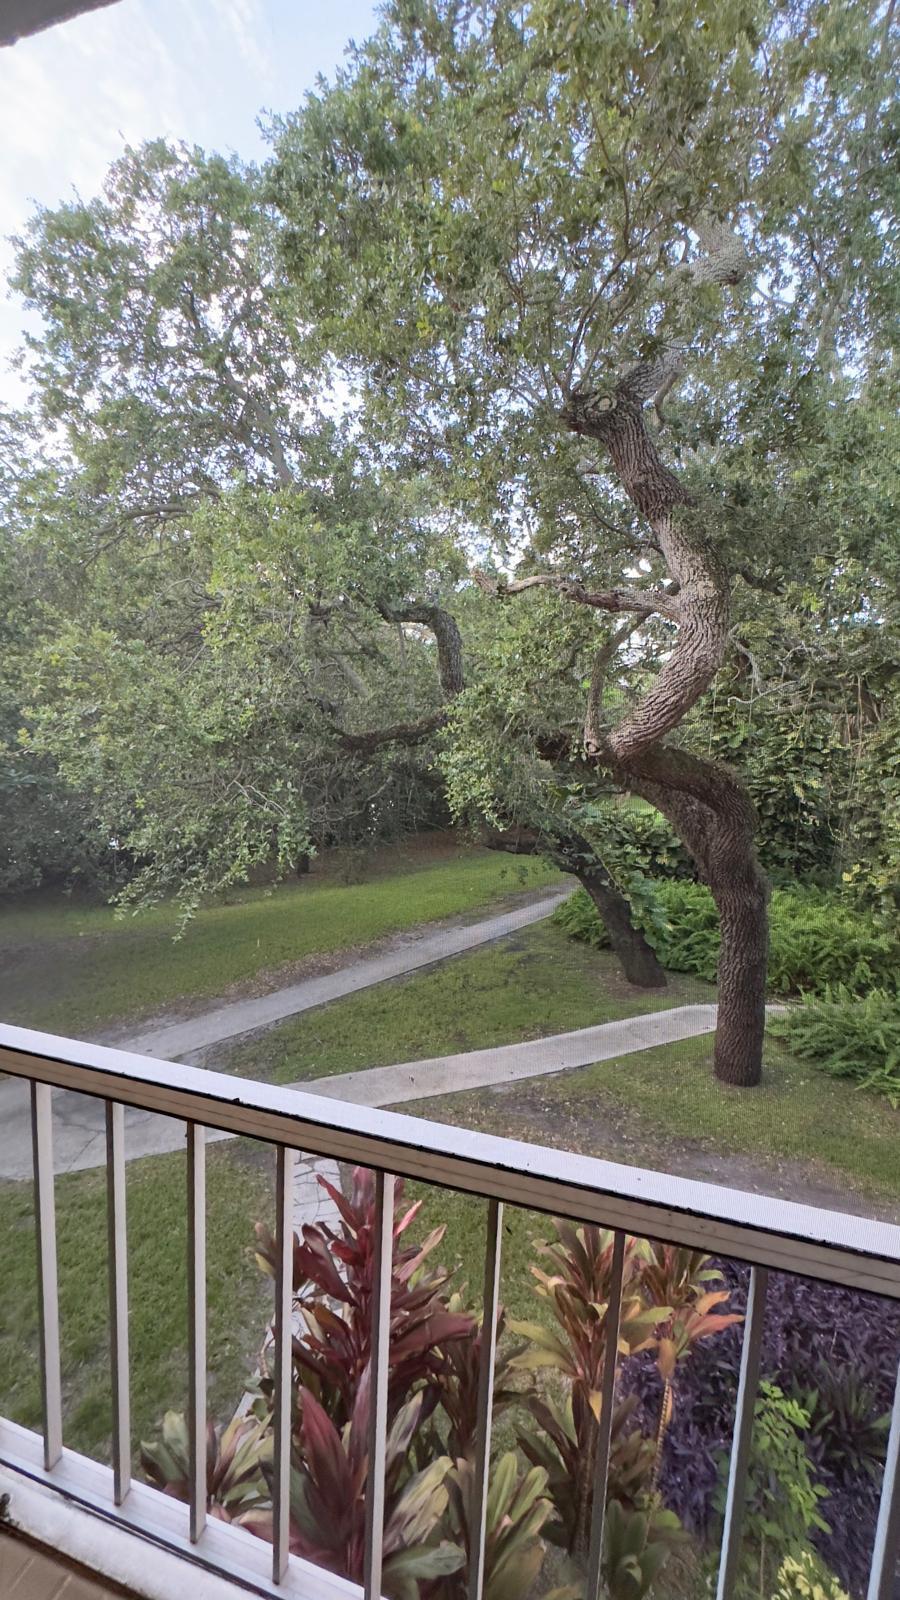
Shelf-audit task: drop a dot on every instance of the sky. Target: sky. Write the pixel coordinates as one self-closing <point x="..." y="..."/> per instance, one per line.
<point x="72" y="97"/>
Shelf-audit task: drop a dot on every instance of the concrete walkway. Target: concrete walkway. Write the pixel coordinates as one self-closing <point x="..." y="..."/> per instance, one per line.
<point x="79" y="1129"/>
<point x="507" y="1063"/>
<point x="180" y="1039"/>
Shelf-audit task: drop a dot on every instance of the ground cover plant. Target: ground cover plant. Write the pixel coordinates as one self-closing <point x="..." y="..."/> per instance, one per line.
<point x="105" y="971"/>
<point x="677" y="1305"/>
<point x="849" y="1036"/>
<point x="842" y="1379"/>
<point x="816" y="938"/>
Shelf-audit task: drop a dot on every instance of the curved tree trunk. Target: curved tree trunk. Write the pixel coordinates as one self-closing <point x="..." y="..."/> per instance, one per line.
<point x="711" y="812"/>
<point x="639" y="961"/>
<point x="707" y="805"/>
<point x="574" y="854"/>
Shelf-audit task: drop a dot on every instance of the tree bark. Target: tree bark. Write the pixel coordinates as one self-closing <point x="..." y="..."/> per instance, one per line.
<point x="710" y="810"/>
<point x="741" y="896"/>
<point x="573" y="853"/>
<point x="640" y="963"/>
<point x="707" y="805"/>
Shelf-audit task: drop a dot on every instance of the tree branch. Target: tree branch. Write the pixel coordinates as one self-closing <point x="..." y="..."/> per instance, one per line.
<point x="450" y="670"/>
<point x="646" y="602"/>
<point x="604" y="657"/>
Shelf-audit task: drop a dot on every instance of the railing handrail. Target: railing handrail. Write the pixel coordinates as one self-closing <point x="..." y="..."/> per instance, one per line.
<point x="785" y="1236"/>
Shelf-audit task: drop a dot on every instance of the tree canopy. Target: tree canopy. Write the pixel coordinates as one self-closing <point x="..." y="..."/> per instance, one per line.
<point x="519" y="434"/>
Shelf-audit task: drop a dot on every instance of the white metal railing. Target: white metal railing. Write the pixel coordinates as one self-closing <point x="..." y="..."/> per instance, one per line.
<point x="767" y="1233"/>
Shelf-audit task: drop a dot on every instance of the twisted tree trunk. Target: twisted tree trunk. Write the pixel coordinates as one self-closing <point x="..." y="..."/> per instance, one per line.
<point x="719" y="831"/>
<point x="707" y="805"/>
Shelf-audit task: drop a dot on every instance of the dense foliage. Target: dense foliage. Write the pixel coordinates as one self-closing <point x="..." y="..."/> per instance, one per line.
<point x="285" y="421"/>
<point x="820" y="1440"/>
<point x="817" y="940"/>
<point x="605" y="271"/>
<point x="849" y="1036"/>
<point x="843" y="1377"/>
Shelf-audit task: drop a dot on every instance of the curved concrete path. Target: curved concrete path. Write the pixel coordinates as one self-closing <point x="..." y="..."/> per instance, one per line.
<point x="245" y="1016"/>
<point x="79" y="1127"/>
<point x="507" y="1063"/>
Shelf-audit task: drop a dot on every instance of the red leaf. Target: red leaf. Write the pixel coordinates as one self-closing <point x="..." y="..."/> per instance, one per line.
<point x="324" y="1453"/>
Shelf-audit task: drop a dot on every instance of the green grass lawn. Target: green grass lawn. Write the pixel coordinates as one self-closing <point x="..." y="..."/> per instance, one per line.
<point x="73" y="968"/>
<point x="239" y="1192"/>
<point x="796" y="1114"/>
<point x="530" y="984"/>
<point x="540" y="982"/>
<point x="462" y="1248"/>
<point x="646" y="1106"/>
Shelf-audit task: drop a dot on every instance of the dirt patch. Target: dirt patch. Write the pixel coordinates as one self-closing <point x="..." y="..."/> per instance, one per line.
<point x="612" y="1132"/>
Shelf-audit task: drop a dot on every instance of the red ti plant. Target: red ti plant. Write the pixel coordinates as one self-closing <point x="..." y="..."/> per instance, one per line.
<point x="333" y="1289"/>
<point x="329" y="1477"/>
<point x="517" y="1505"/>
<point x="458" y="1383"/>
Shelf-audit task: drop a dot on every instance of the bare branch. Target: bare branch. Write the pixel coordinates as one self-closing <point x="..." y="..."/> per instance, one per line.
<point x="756" y="676"/>
<point x="400" y="733"/>
<point x="446" y="636"/>
<point x="450" y="667"/>
<point x="646" y="602"/>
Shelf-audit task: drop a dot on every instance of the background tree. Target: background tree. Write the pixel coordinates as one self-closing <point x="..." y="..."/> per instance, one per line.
<point x="198" y="509"/>
<point x="231" y="569"/>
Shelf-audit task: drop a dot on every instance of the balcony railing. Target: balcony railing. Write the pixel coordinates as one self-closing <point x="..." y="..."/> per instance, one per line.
<point x="769" y="1234"/>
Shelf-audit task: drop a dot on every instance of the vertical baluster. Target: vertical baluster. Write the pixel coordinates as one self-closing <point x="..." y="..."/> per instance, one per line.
<point x="196" y="1213"/>
<point x="48" y="1301"/>
<point x="607" y="1400"/>
<point x="378" y="1392"/>
<point x="484" y="1413"/>
<point x="117" y="1250"/>
<point x="743" y="1435"/>
<point x="284" y="1295"/>
<point x="885" y="1556"/>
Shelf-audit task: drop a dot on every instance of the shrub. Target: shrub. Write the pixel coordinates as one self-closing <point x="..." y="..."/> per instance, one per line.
<point x="333" y="1291"/>
<point x="782" y="1507"/>
<point x="669" y="1306"/>
<point x="847" y="1430"/>
<point x="328" y="1498"/>
<point x="816" y="939"/>
<point x="806" y="1322"/>
<point x="807" y="1578"/>
<point x="849" y="1037"/>
<point x="635" y="839"/>
<point x="578" y="917"/>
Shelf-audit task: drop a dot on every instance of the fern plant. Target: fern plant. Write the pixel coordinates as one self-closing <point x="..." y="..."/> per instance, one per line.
<point x="849" y="1037"/>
